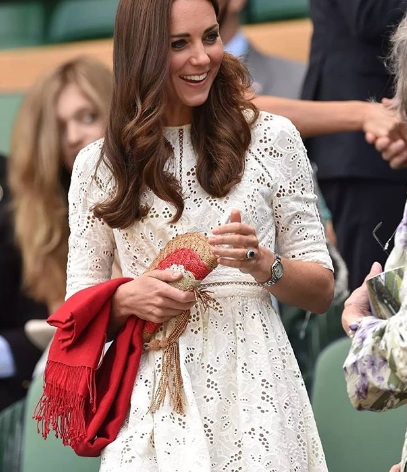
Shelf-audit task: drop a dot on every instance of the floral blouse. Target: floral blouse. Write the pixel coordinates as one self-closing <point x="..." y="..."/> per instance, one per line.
<point x="376" y="366"/>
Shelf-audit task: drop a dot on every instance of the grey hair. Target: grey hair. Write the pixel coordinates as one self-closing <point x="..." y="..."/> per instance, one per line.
<point x="398" y="66"/>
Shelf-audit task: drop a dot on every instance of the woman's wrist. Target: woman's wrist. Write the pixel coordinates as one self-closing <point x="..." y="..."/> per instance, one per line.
<point x="118" y="312"/>
<point x="266" y="259"/>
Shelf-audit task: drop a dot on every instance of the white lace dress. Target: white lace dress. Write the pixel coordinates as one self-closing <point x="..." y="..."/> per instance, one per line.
<point x="246" y="405"/>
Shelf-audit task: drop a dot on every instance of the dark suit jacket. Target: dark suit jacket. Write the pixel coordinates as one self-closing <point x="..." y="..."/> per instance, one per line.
<point x="274" y="75"/>
<point x="349" y="43"/>
<point x="15" y="308"/>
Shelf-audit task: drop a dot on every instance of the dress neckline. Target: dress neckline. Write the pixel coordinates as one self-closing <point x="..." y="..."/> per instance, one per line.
<point x="172" y="128"/>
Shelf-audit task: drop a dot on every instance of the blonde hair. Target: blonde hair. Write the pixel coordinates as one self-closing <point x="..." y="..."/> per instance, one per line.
<point x="398" y="65"/>
<point x="38" y="178"/>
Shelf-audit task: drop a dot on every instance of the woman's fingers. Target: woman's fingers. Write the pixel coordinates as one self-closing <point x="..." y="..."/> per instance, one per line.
<point x="152" y="298"/>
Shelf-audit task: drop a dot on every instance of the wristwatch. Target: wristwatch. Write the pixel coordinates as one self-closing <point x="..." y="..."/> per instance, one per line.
<point x="276" y="271"/>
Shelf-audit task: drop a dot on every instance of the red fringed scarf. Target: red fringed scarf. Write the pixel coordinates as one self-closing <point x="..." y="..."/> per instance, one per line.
<point x="85" y="401"/>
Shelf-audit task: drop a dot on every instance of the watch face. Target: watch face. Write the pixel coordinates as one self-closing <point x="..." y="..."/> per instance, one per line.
<point x="278" y="271"/>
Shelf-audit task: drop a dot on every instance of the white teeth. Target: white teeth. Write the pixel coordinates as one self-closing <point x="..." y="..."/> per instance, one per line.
<point x="195" y="78"/>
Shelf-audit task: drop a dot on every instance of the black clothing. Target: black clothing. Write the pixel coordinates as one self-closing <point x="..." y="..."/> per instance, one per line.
<point x="349" y="43"/>
<point x="15" y="307"/>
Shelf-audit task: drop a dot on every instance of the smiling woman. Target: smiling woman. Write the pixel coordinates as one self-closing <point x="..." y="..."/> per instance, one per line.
<point x="186" y="152"/>
<point x="195" y="58"/>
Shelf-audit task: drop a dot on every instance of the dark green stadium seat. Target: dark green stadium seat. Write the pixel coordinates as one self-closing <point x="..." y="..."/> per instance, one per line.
<point x="21" y="24"/>
<point x="352" y="440"/>
<point x="50" y="455"/>
<point x="9" y="105"/>
<point x="79" y="20"/>
<point x="260" y="11"/>
<point x="11" y="436"/>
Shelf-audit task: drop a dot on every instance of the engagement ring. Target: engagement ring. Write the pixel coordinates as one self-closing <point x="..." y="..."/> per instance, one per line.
<point x="250" y="254"/>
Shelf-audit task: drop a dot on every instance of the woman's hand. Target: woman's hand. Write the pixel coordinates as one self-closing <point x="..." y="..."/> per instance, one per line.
<point x="233" y="241"/>
<point x="357" y="306"/>
<point x="151" y="298"/>
<point x="305" y="284"/>
<point x="396" y="468"/>
<point x="387" y="133"/>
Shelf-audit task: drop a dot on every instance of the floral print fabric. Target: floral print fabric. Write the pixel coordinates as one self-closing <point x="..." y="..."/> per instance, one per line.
<point x="376" y="366"/>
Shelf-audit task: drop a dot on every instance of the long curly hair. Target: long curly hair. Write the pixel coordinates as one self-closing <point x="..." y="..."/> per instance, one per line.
<point x="39" y="180"/>
<point x="135" y="148"/>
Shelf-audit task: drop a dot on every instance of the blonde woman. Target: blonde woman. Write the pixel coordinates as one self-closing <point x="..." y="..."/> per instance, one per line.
<point x="65" y="111"/>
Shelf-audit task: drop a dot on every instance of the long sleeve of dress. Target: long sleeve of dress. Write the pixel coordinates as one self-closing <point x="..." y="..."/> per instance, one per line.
<point x="91" y="241"/>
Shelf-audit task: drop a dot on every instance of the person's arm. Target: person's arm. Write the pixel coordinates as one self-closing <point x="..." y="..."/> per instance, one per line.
<point x="376" y="366"/>
<point x="92" y="249"/>
<point x="313" y="118"/>
<point x="307" y="281"/>
<point x="394" y="151"/>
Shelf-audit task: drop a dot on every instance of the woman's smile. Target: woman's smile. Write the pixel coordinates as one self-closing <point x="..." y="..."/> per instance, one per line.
<point x="196" y="53"/>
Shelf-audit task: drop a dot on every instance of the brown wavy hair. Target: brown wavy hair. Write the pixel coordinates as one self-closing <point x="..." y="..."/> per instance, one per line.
<point x="38" y="178"/>
<point x="135" y="148"/>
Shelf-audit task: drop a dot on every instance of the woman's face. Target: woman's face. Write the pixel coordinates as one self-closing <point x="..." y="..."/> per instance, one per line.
<point x="79" y="122"/>
<point x="196" y="54"/>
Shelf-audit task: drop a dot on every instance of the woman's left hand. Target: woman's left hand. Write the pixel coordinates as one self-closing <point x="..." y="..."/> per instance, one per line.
<point x="236" y="245"/>
<point x="305" y="284"/>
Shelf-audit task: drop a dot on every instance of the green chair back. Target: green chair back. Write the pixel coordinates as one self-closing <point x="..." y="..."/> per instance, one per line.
<point x="21" y="24"/>
<point x="260" y="11"/>
<point x="79" y="20"/>
<point x="352" y="440"/>
<point x="48" y="455"/>
<point x="9" y="105"/>
<point x="11" y="436"/>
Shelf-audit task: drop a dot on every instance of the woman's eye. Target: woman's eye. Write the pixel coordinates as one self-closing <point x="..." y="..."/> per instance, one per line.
<point x="212" y="37"/>
<point x="179" y="44"/>
<point x="89" y="118"/>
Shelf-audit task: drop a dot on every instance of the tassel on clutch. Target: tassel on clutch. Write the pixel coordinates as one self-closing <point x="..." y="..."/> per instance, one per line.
<point x="190" y="254"/>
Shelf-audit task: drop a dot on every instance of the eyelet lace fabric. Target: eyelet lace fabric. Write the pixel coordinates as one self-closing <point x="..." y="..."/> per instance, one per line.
<point x="247" y="408"/>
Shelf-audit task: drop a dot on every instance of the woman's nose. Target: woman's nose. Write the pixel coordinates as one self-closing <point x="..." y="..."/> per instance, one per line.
<point x="73" y="135"/>
<point x="200" y="56"/>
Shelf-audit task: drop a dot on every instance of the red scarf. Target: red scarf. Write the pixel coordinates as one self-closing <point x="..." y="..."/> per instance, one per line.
<point x="85" y="401"/>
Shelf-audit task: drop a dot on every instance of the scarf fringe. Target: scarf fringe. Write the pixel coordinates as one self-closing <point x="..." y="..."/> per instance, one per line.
<point x="61" y="406"/>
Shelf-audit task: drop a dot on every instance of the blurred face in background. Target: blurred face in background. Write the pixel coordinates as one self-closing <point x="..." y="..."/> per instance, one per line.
<point x="80" y="122"/>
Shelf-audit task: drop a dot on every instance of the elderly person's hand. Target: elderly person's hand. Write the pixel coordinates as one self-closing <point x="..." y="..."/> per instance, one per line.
<point x="385" y="129"/>
<point x="357" y="306"/>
